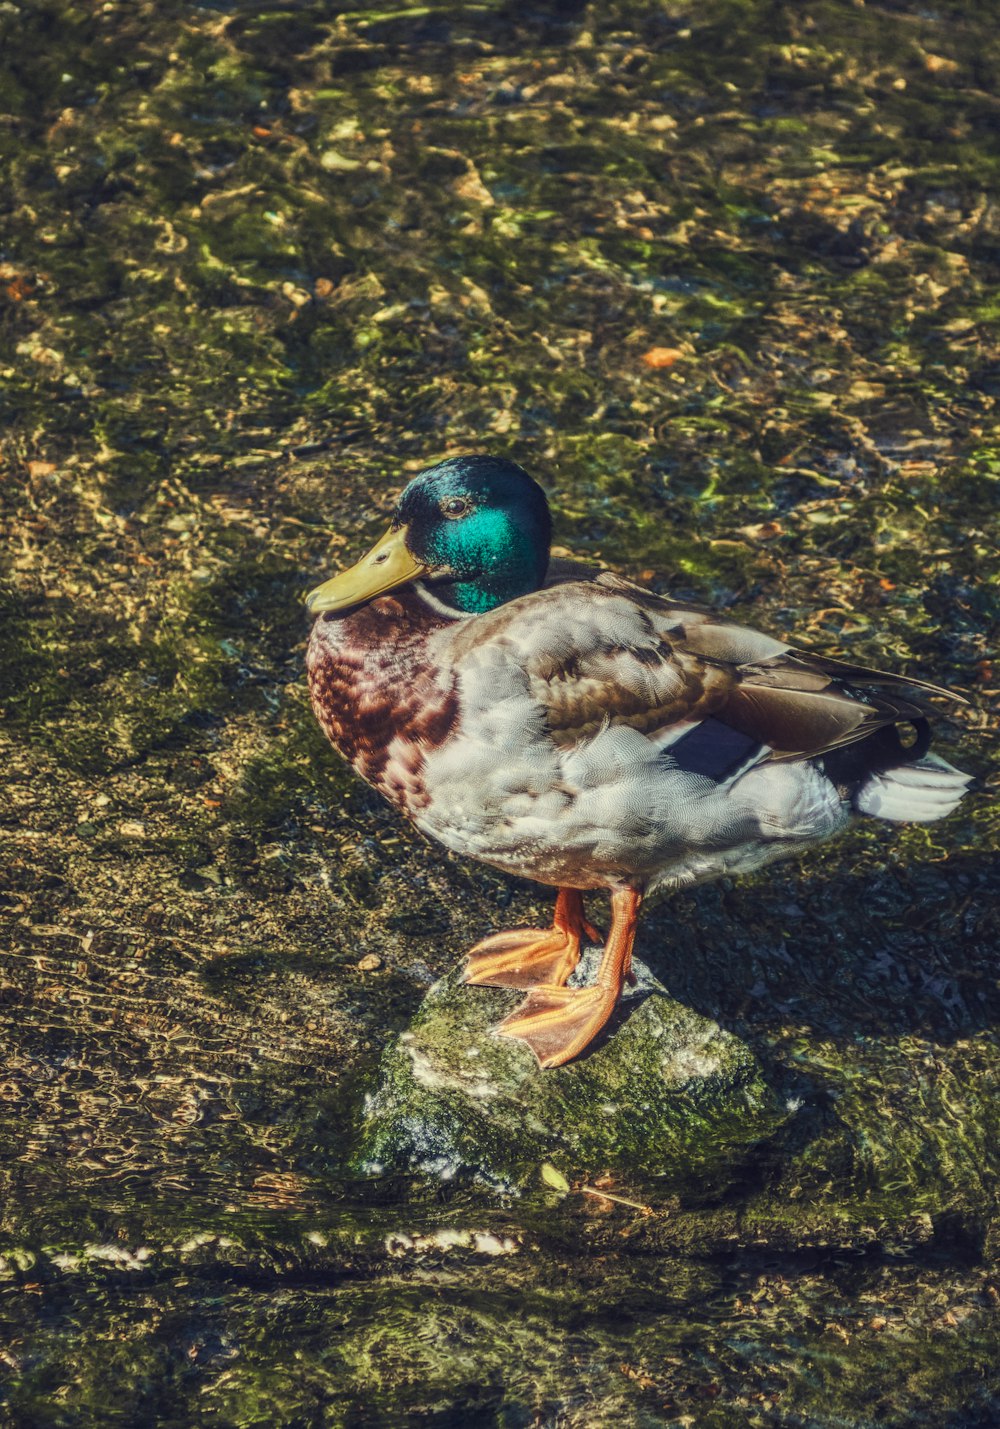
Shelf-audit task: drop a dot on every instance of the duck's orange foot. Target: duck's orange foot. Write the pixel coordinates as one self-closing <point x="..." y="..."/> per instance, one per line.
<point x="523" y="958"/>
<point x="528" y="956"/>
<point x="559" y="1022"/>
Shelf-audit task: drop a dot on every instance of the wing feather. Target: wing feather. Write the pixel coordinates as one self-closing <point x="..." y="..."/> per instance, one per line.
<point x="605" y="652"/>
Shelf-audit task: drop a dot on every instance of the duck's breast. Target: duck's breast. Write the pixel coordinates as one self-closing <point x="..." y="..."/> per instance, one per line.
<point x="380" y="696"/>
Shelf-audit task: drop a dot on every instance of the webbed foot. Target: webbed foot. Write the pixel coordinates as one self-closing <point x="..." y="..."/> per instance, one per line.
<point x="559" y="1022"/>
<point x="525" y="957"/>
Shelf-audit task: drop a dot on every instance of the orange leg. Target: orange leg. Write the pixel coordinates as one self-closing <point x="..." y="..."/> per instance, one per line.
<point x="528" y="956"/>
<point x="559" y="1022"/>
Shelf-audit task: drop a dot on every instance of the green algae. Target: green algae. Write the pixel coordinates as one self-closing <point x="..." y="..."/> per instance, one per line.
<point x="259" y="266"/>
<point x="671" y="1097"/>
<point x="465" y="1327"/>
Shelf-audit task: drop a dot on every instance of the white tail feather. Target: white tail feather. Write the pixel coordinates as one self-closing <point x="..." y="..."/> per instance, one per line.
<point x="919" y="793"/>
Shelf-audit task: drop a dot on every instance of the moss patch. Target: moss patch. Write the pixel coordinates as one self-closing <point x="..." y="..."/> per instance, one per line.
<point x="669" y="1095"/>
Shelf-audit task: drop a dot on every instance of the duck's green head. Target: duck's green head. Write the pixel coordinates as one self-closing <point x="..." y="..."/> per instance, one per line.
<point x="476" y="529"/>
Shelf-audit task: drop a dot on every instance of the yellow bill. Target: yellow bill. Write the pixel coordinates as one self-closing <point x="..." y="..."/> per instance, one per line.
<point x="386" y="565"/>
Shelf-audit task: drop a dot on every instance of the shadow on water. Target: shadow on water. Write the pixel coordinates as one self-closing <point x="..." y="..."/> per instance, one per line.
<point x="901" y="951"/>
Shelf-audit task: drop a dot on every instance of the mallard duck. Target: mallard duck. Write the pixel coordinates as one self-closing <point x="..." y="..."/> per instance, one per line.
<point x="583" y="732"/>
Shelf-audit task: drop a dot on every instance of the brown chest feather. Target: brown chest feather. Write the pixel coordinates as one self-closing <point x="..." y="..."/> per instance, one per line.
<point x="380" y="699"/>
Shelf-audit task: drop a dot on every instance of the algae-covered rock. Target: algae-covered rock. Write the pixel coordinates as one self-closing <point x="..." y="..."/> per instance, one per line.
<point x="668" y="1093"/>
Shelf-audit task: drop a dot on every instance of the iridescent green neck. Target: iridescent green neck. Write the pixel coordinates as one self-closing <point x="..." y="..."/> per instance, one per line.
<point x="476" y="597"/>
<point x="492" y="559"/>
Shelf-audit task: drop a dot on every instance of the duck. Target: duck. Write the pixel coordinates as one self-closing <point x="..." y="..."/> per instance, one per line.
<point x="570" y="727"/>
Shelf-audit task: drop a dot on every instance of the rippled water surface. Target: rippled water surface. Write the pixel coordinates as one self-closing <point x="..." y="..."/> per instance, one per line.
<point x="724" y="277"/>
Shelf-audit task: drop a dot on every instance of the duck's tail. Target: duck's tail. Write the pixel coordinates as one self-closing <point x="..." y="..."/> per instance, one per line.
<point x="887" y="779"/>
<point x="918" y="791"/>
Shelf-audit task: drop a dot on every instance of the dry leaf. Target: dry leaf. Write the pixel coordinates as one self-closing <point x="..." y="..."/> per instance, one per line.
<point x="658" y="357"/>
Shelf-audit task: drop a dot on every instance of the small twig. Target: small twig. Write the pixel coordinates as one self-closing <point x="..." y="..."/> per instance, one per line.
<point x="620" y="1200"/>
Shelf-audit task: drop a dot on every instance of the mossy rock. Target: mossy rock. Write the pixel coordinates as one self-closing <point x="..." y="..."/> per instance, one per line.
<point x="665" y="1093"/>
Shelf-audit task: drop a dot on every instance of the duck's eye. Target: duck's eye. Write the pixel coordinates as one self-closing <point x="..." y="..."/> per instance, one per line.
<point x="454" y="506"/>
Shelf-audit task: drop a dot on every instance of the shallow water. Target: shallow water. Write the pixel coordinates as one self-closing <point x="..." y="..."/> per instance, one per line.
<point x="259" y="265"/>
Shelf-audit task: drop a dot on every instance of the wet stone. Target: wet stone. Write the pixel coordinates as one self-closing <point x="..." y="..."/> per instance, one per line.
<point x="666" y="1093"/>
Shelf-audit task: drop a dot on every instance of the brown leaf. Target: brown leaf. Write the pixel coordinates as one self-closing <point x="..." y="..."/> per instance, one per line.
<point x="763" y="531"/>
<point x="658" y="357"/>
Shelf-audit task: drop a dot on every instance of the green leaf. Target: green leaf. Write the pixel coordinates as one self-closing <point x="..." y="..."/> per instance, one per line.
<point x="554" y="1178"/>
